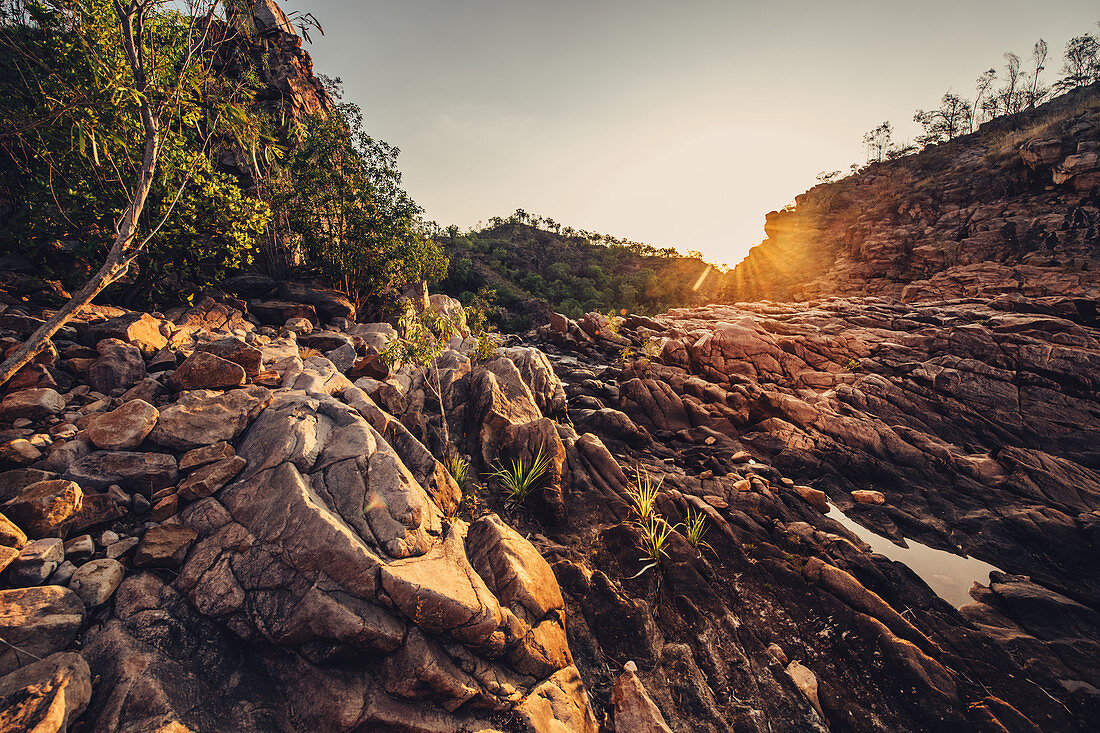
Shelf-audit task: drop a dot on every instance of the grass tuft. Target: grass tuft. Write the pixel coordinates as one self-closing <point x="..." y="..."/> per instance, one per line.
<point x="695" y="529"/>
<point x="459" y="468"/>
<point x="519" y="479"/>
<point x="655" y="534"/>
<point x="643" y="495"/>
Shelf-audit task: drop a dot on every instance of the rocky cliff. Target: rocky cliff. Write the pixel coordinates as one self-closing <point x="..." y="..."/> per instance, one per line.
<point x="1011" y="208"/>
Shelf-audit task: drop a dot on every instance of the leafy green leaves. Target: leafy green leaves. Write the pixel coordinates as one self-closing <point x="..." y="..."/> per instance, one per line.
<point x="518" y="478"/>
<point x="72" y="140"/>
<point x="340" y="195"/>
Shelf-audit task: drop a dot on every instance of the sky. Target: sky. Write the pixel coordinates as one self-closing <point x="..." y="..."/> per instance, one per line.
<point x="675" y="124"/>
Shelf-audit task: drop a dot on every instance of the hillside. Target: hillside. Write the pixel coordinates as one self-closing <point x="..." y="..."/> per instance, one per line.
<point x="1010" y="207"/>
<point x="535" y="270"/>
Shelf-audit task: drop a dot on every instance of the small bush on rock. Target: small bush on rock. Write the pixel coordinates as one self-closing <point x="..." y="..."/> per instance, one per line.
<point x="519" y="479"/>
<point x="655" y="533"/>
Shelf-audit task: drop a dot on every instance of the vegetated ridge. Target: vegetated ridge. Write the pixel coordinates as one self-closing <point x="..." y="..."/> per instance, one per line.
<point x="535" y="267"/>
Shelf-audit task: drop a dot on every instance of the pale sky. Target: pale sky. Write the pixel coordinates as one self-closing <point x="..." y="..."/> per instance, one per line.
<point x="675" y="124"/>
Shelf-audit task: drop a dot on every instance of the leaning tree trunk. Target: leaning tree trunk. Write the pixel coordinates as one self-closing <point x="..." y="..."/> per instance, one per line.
<point x="122" y="252"/>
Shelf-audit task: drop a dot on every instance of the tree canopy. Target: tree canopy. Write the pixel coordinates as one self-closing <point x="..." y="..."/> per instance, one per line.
<point x="232" y="173"/>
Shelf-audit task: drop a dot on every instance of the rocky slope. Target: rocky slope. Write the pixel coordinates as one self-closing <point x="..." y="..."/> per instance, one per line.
<point x="1010" y="208"/>
<point x="231" y="517"/>
<point x="969" y="425"/>
<point x="238" y="538"/>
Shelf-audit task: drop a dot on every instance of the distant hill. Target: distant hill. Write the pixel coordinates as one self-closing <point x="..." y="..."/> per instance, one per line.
<point x="536" y="267"/>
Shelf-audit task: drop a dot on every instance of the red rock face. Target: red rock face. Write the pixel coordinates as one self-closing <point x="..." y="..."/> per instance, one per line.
<point x="1003" y="212"/>
<point x="920" y="420"/>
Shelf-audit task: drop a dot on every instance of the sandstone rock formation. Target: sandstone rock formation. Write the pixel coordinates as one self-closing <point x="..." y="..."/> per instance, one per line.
<point x="1009" y="210"/>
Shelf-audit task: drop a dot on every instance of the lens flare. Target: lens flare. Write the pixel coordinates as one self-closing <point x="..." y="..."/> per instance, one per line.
<point x="699" y="283"/>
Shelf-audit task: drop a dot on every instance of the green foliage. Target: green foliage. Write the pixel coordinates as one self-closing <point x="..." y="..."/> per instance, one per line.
<point x="518" y="479"/>
<point x="478" y="312"/>
<point x="459" y="468"/>
<point x="71" y="141"/>
<point x="643" y="495"/>
<point x="424" y="336"/>
<point x="339" y="193"/>
<point x="535" y="270"/>
<point x="655" y="533"/>
<point x="695" y="529"/>
<point x="649" y="350"/>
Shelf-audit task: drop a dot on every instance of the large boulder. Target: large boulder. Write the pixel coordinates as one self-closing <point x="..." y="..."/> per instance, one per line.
<point x="202" y="417"/>
<point x="278" y="312"/>
<point x="376" y="598"/>
<point x="45" y="696"/>
<point x="498" y="398"/>
<point x="120" y="365"/>
<point x="42" y="508"/>
<point x="10" y="534"/>
<point x="632" y="708"/>
<point x="133" y="471"/>
<point x="210" y="478"/>
<point x="513" y="569"/>
<point x="36" y="622"/>
<point x="32" y="404"/>
<point x="331" y="303"/>
<point x="94" y="582"/>
<point x="36" y="562"/>
<point x="14" y="481"/>
<point x="237" y="351"/>
<point x="123" y="428"/>
<point x="203" y="370"/>
<point x="539" y="376"/>
<point x="165" y="546"/>
<point x="138" y="329"/>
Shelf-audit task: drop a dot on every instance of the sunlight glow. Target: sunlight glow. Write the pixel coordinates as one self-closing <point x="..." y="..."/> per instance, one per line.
<point x="699" y="283"/>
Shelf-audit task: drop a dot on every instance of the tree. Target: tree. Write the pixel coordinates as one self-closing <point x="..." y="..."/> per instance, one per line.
<point x="1036" y="92"/>
<point x="339" y="193"/>
<point x="166" y="59"/>
<point x="877" y="142"/>
<point x="1081" y="63"/>
<point x="982" y="102"/>
<point x="946" y="123"/>
<point x="1010" y="94"/>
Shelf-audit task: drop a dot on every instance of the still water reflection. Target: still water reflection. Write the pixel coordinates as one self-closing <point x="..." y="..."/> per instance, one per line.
<point x="949" y="575"/>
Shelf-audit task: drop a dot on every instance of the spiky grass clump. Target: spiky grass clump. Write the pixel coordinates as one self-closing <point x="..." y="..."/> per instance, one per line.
<point x="655" y="533"/>
<point x="459" y="468"/>
<point x="519" y="479"/>
<point x="643" y="495"/>
<point x="695" y="529"/>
